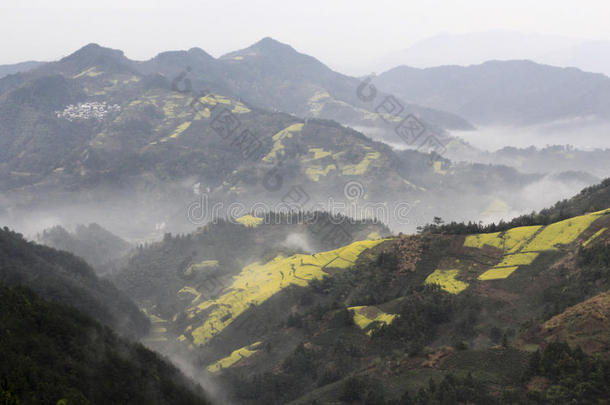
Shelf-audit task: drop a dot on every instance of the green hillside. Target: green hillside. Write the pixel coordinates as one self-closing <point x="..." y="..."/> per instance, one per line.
<point x="383" y="320"/>
<point x="52" y="354"/>
<point x="61" y="277"/>
<point x="174" y="279"/>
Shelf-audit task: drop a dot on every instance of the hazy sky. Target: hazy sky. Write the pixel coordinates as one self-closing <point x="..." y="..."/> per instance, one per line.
<point x="341" y="33"/>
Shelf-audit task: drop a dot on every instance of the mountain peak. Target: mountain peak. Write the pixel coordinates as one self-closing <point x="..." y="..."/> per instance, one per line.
<point x="196" y="51"/>
<point x="270" y="45"/>
<point x="93" y="51"/>
<point x="265" y="47"/>
<point x="109" y="60"/>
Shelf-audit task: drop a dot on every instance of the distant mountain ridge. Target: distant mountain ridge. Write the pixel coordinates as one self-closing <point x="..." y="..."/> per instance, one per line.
<point x="6" y="70"/>
<point x="504" y="92"/>
<point x="474" y="48"/>
<point x="274" y="75"/>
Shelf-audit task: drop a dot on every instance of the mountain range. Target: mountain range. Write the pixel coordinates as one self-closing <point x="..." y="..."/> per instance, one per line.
<point x="96" y="132"/>
<point x="246" y="217"/>
<point x="504" y="92"/>
<point x="6" y="70"/>
<point x="475" y="48"/>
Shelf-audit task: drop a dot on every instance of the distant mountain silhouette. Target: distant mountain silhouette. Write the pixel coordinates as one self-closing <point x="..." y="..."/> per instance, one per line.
<point x="503" y="92"/>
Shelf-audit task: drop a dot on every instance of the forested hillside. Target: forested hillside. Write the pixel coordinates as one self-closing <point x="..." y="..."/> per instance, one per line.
<point x="437" y="317"/>
<point x="61" y="277"/>
<point x="53" y="354"/>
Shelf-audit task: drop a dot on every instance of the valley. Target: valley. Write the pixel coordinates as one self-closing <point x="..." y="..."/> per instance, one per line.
<point x="192" y="215"/>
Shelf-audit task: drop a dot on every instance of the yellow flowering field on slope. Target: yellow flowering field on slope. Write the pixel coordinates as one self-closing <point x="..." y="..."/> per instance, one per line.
<point x="510" y="241"/>
<point x="517" y="259"/>
<point x="361" y="168"/>
<point x="484" y="239"/>
<point x="497" y="273"/>
<point x="250" y="221"/>
<point x="516" y="238"/>
<point x="561" y="233"/>
<point x="180" y="129"/>
<point x="594" y="236"/>
<point x="447" y="280"/>
<point x="258" y="282"/>
<point x="318" y="153"/>
<point x="234" y="357"/>
<point x="522" y="245"/>
<point x="278" y="146"/>
<point x="314" y="172"/>
<point x="364" y="316"/>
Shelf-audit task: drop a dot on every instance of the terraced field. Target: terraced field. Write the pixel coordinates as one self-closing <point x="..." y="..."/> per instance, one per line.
<point x="510" y="241"/>
<point x="158" y="330"/>
<point x="447" y="280"/>
<point x="258" y="282"/>
<point x="234" y="357"/>
<point x="561" y="233"/>
<point x="520" y="247"/>
<point x="594" y="236"/>
<point x="368" y="318"/>
<point x="276" y="153"/>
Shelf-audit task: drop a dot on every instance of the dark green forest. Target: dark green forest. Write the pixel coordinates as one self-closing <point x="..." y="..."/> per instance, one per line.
<point x="53" y="354"/>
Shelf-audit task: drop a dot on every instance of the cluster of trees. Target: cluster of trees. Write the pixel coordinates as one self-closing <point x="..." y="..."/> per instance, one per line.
<point x="569" y="376"/>
<point x="422" y="311"/>
<point x="364" y="390"/>
<point x="53" y="354"/>
<point x="597" y="256"/>
<point x="565" y="376"/>
<point x="590" y="199"/>
<point x="451" y="390"/>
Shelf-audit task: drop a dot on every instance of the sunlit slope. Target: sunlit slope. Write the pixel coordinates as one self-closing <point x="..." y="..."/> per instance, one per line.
<point x="584" y="324"/>
<point x="561" y="233"/>
<point x="520" y="247"/>
<point x="234" y="357"/>
<point x="447" y="281"/>
<point x="509" y="241"/>
<point x="258" y="282"/>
